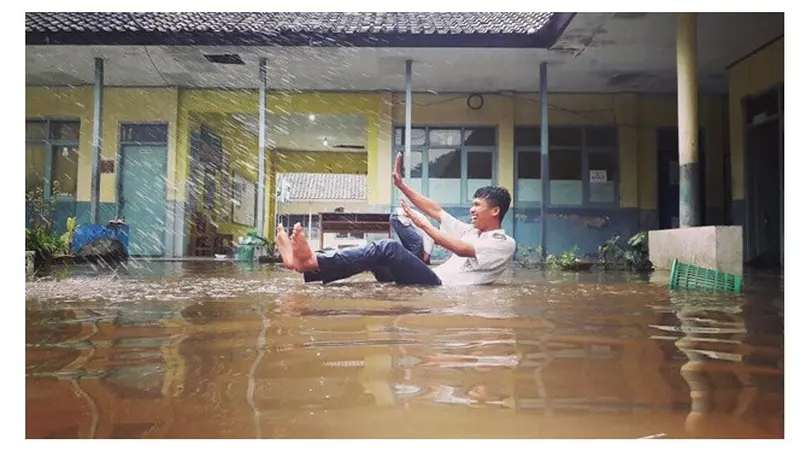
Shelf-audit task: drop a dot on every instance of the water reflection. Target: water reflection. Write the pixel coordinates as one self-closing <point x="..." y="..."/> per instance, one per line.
<point x="185" y="352"/>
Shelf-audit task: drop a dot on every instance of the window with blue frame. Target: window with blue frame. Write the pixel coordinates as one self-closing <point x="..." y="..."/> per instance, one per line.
<point x="584" y="165"/>
<point x="449" y="163"/>
<point x="51" y="157"/>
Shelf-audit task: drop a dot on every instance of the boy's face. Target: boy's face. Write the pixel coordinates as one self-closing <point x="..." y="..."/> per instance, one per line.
<point x="483" y="215"/>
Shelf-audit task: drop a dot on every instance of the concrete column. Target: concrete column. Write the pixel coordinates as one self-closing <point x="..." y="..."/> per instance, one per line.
<point x="688" y="132"/>
<point x="261" y="196"/>
<point x="545" y="155"/>
<point x="407" y="156"/>
<point x="97" y="129"/>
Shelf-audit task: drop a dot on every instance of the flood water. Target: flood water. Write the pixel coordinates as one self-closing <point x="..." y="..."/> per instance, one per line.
<point x="218" y="350"/>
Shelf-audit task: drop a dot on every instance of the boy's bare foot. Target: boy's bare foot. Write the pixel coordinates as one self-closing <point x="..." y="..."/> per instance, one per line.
<point x="284" y="247"/>
<point x="304" y="259"/>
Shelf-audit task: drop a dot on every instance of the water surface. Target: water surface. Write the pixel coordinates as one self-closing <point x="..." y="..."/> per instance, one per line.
<point x="219" y="350"/>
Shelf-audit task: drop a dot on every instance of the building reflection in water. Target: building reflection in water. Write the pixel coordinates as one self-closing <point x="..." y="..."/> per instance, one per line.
<point x="302" y="366"/>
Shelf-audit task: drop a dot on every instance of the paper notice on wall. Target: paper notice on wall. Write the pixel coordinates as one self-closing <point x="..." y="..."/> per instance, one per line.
<point x="598" y="176"/>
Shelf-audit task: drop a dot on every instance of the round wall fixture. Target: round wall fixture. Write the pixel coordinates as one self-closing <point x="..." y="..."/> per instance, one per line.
<point x="475" y="101"/>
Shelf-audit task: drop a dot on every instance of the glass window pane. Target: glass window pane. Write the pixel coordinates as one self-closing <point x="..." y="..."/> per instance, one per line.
<point x="566" y="192"/>
<point x="604" y="161"/>
<point x="479" y="165"/>
<point x="601" y="136"/>
<point x="601" y="192"/>
<point x="565" y="136"/>
<point x="444" y="163"/>
<point x="527" y="136"/>
<point x="444" y="175"/>
<point x="417" y="136"/>
<point x="479" y="171"/>
<point x="65" y="171"/>
<point x="602" y="175"/>
<point x="415" y="184"/>
<point x="565" y="165"/>
<point x="34" y="166"/>
<point x="566" y="186"/>
<point x="445" y="137"/>
<point x="529" y="165"/>
<point x="415" y="160"/>
<point x="144" y="133"/>
<point x="480" y="136"/>
<point x="35" y="131"/>
<point x="65" y="131"/>
<point x="529" y="190"/>
<point x="446" y="191"/>
<point x="529" y="173"/>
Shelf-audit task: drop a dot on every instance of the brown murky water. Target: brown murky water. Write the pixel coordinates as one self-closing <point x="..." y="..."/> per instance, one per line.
<point x="192" y="350"/>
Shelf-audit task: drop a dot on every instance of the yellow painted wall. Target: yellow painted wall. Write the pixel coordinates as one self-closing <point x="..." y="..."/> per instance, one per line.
<point x="752" y="75"/>
<point x="119" y="105"/>
<point x="242" y="150"/>
<point x="320" y="162"/>
<point x="203" y="101"/>
<point x="638" y="117"/>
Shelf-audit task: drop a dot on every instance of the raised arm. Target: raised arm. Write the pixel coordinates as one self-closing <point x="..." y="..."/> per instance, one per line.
<point x="449" y="242"/>
<point x="426" y="205"/>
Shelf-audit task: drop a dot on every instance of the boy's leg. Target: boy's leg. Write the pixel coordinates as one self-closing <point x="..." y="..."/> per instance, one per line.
<point x="404" y="227"/>
<point x="410" y="237"/>
<point x="407" y="233"/>
<point x="404" y="267"/>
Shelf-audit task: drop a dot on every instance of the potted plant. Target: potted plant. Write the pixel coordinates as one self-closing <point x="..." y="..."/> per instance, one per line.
<point x="38" y="237"/>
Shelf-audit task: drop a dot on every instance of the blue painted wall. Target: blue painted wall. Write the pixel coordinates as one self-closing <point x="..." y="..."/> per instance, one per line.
<point x="108" y="211"/>
<point x="567" y="227"/>
<point x="80" y="210"/>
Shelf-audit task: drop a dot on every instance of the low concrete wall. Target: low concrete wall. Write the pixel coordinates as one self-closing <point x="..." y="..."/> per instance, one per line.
<point x="718" y="248"/>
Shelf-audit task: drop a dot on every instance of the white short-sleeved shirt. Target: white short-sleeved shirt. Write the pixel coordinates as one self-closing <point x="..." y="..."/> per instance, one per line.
<point x="494" y="251"/>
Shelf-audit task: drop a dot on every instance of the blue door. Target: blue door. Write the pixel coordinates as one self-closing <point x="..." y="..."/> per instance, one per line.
<point x="143" y="197"/>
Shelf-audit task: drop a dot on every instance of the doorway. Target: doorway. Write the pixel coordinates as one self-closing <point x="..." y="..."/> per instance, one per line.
<point x="143" y="195"/>
<point x="764" y="178"/>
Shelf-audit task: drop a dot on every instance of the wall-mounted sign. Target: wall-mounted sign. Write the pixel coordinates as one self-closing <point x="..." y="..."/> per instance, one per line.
<point x="107" y="166"/>
<point x="598" y="176"/>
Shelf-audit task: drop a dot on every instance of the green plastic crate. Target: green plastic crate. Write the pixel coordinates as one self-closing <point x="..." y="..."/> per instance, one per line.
<point x="688" y="276"/>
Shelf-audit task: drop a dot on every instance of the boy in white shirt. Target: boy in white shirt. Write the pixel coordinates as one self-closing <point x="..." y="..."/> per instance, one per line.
<point x="481" y="250"/>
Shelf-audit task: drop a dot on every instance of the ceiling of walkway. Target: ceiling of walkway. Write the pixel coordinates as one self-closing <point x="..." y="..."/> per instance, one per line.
<point x="623" y="52"/>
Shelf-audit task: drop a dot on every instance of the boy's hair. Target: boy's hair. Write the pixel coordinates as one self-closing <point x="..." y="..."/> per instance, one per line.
<point x="495" y="196"/>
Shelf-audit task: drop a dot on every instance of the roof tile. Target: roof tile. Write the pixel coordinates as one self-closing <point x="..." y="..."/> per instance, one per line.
<point x="277" y="23"/>
<point x="325" y="186"/>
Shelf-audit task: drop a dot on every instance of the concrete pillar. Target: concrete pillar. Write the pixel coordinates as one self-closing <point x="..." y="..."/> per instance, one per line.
<point x="544" y="128"/>
<point x="261" y="195"/>
<point x="688" y="132"/>
<point x="97" y="127"/>
<point x="407" y="156"/>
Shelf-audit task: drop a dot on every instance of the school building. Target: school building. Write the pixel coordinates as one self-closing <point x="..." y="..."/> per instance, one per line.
<point x="176" y="99"/>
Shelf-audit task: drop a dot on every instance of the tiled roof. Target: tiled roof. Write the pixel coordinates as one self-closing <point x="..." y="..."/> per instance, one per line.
<point x="365" y="29"/>
<point x="325" y="186"/>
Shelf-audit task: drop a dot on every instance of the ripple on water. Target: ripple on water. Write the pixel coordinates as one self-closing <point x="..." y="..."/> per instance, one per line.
<point x="187" y="352"/>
